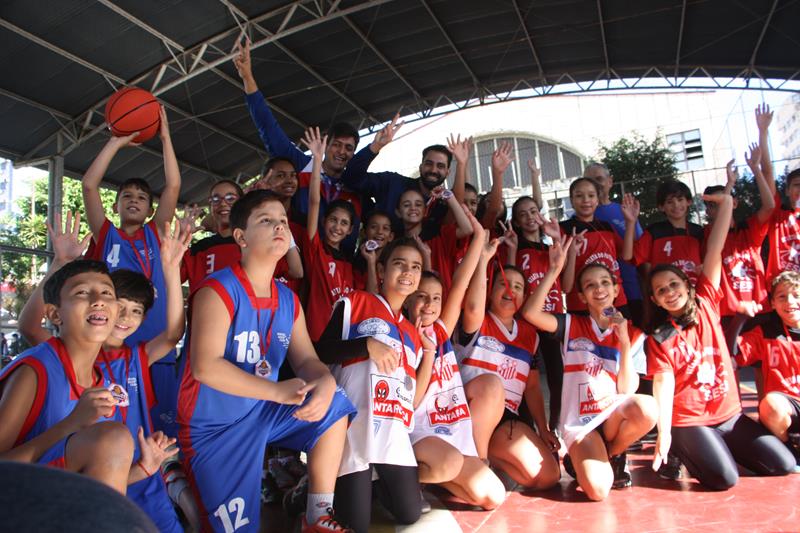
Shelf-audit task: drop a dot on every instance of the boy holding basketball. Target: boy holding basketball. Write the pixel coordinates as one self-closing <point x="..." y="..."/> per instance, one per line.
<point x="135" y="244"/>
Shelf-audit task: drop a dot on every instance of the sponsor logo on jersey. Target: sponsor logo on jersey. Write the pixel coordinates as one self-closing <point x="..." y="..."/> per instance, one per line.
<point x="508" y="368"/>
<point x="491" y="344"/>
<point x="448" y="414"/>
<point x="381" y="390"/>
<point x="373" y="326"/>
<point x="284" y="339"/>
<point x="581" y="344"/>
<point x="442" y="430"/>
<point x="133" y="383"/>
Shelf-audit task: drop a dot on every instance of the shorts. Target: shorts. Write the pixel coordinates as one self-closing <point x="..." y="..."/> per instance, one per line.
<point x="225" y="462"/>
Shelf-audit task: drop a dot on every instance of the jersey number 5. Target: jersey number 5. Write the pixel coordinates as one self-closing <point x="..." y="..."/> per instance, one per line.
<point x="236" y="505"/>
<point x="247" y="348"/>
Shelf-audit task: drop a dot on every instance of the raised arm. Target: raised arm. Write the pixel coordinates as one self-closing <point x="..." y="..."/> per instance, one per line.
<point x="755" y="163"/>
<point x="712" y="262"/>
<point x="463" y="225"/>
<point x="630" y="210"/>
<point x="168" y="200"/>
<point x="371" y="258"/>
<point x="532" y="311"/>
<point x="568" y="272"/>
<point x="95" y="213"/>
<point x="174" y="242"/>
<point x="67" y="246"/>
<point x="501" y="158"/>
<point x="316" y="144"/>
<point x="536" y="185"/>
<point x="460" y="150"/>
<point x="763" y="120"/>
<point x="475" y="304"/>
<point x="627" y="378"/>
<point x="451" y="309"/>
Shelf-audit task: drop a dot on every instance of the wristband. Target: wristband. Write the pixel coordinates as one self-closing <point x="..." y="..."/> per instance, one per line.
<point x="446" y="194"/>
<point x="140" y="465"/>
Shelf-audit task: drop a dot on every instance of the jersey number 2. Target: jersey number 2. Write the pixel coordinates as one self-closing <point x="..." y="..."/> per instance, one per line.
<point x="223" y="512"/>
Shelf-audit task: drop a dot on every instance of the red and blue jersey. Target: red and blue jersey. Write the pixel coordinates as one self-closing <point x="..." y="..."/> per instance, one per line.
<point x="128" y="367"/>
<point x="508" y="354"/>
<point x="57" y="393"/>
<point x="256" y="323"/>
<point x="140" y="253"/>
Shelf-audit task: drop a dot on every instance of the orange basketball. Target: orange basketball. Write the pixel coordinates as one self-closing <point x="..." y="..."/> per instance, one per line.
<point x="132" y="109"/>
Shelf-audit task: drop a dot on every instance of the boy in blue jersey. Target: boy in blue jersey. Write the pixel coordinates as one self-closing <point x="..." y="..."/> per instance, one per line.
<point x="55" y="401"/>
<point x="128" y="366"/>
<point x="230" y="403"/>
<point x="135" y="246"/>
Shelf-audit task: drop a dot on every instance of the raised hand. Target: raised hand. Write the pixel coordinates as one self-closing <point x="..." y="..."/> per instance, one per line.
<point x="155" y="449"/>
<point x="315" y="142"/>
<point x="370" y="256"/>
<point x="386" y="135"/>
<point x="174" y="242"/>
<point x="426" y="252"/>
<point x="549" y="226"/>
<point x="426" y="336"/>
<point x="191" y="214"/>
<point x="733" y="174"/>
<point x="163" y="128"/>
<point x="509" y="235"/>
<point x="578" y="242"/>
<point x="489" y="245"/>
<point x="717" y="198"/>
<point x="241" y="60"/>
<point x="557" y="252"/>
<point x="67" y="246"/>
<point x="763" y="117"/>
<point x="750" y="308"/>
<point x="630" y="208"/>
<point x="754" y="159"/>
<point x="502" y="157"/>
<point x="459" y="148"/>
<point x="620" y="326"/>
<point x="124" y="140"/>
<point x="535" y="171"/>
<point x="261" y="183"/>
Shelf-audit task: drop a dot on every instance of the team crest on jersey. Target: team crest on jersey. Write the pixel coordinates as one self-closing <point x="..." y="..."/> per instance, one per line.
<point x="593" y="366"/>
<point x="284" y="339"/>
<point x="491" y="344"/>
<point x="373" y="326"/>
<point x="508" y="368"/>
<point x="581" y="344"/>
<point x="381" y="390"/>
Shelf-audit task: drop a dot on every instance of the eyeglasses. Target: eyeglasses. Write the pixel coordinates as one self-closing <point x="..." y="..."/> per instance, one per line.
<point x="229" y="198"/>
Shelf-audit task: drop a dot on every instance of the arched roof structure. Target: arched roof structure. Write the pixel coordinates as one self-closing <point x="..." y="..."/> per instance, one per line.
<point x="319" y="61"/>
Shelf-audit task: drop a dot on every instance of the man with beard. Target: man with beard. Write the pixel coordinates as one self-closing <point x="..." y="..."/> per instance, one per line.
<point x="342" y="142"/>
<point x="387" y="187"/>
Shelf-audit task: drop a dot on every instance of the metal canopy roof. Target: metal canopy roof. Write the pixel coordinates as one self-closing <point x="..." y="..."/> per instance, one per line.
<point x="320" y="61"/>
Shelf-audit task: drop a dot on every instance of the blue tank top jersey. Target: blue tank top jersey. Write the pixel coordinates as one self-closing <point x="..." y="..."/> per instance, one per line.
<point x="57" y="393"/>
<point x="140" y="253"/>
<point x="257" y="324"/>
<point x="129" y="368"/>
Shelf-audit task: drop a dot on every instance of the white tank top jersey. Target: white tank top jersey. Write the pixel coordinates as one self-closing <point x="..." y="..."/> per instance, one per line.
<point x="443" y="412"/>
<point x="380" y="431"/>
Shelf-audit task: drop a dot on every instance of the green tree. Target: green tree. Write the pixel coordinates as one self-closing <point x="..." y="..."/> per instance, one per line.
<point x="639" y="166"/>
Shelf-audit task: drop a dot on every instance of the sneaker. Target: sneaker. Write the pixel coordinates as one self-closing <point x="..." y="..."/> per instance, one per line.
<point x="671" y="469"/>
<point x="270" y="493"/>
<point x="568" y="467"/>
<point x="294" y="501"/>
<point x="622" y="476"/>
<point x="324" y="524"/>
<point x="424" y="505"/>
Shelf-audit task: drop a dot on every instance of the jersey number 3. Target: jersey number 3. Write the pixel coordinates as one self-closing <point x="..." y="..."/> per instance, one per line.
<point x="224" y="513"/>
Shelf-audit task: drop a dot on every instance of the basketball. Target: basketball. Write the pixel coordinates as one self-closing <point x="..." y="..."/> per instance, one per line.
<point x="132" y="109"/>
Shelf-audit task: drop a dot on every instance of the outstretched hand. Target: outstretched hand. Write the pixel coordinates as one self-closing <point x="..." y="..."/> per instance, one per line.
<point x="241" y="60"/>
<point x="754" y="159"/>
<point x="155" y="449"/>
<point x="732" y="173"/>
<point x="386" y="134"/>
<point x="630" y="208"/>
<point x="174" y="242"/>
<point x="763" y="117"/>
<point x="67" y="246"/>
<point x="502" y="157"/>
<point x="557" y="252"/>
<point x="315" y="142"/>
<point x="459" y="148"/>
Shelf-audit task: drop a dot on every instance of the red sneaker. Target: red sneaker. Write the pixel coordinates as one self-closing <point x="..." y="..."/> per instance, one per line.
<point x="324" y="524"/>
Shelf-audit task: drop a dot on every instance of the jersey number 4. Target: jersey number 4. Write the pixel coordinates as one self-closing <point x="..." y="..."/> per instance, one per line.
<point x="668" y="248"/>
<point x="113" y="256"/>
<point x="248" y="349"/>
<point x="224" y="513"/>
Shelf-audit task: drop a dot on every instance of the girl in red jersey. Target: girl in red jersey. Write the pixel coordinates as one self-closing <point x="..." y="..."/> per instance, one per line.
<point x="383" y="364"/>
<point x="330" y="273"/>
<point x="600" y="242"/>
<point x="442" y="435"/>
<point x="496" y="353"/>
<point x="600" y="414"/>
<point x="700" y="415"/>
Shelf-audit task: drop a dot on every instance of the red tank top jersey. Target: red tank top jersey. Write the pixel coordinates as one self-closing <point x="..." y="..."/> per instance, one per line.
<point x="602" y="245"/>
<point x="282" y="268"/>
<point x="207" y="256"/>
<point x="447" y="252"/>
<point x="534" y="261"/>
<point x="772" y="345"/>
<point x="329" y="279"/>
<point x="743" y="278"/>
<point x="784" y="241"/>
<point x="705" y="386"/>
<point x="664" y="243"/>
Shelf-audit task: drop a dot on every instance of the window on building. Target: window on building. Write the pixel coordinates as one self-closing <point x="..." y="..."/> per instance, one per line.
<point x="688" y="150"/>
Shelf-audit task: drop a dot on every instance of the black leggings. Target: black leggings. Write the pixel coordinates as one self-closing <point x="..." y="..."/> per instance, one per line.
<point x="550" y="352"/>
<point x="710" y="453"/>
<point x="397" y="489"/>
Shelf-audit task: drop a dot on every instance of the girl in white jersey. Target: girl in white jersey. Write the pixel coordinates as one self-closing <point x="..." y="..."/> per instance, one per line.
<point x="600" y="414"/>
<point x="442" y="435"/>
<point x="497" y="365"/>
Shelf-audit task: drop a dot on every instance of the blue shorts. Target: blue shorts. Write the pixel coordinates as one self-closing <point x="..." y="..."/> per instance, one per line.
<point x="150" y="494"/>
<point x="226" y="462"/>
<point x="166" y="382"/>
